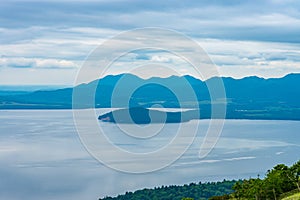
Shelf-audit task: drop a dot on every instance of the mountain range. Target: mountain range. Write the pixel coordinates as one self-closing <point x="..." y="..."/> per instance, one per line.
<point x="246" y="98"/>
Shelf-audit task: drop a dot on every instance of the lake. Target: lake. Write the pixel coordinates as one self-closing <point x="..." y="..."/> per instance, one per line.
<point x="42" y="157"/>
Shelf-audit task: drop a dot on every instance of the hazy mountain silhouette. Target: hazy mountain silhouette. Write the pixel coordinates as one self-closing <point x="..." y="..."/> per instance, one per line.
<point x="250" y="97"/>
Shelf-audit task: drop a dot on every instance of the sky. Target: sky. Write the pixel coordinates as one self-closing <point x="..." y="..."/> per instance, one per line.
<point x="47" y="42"/>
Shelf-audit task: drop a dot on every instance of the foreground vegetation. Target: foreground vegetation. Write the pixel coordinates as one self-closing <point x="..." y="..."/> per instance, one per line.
<point x="293" y="197"/>
<point x="193" y="191"/>
<point x="281" y="182"/>
<point x="278" y="181"/>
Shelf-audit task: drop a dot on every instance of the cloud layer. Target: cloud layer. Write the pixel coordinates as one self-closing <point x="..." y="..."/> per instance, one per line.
<point x="243" y="38"/>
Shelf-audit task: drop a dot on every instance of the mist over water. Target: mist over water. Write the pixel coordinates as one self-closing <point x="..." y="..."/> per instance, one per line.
<point x="42" y="157"/>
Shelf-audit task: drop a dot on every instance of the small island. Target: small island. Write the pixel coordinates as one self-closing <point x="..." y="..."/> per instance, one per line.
<point x="141" y="115"/>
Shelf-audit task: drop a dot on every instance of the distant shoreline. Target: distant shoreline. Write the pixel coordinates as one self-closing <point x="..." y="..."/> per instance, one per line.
<point x="262" y="118"/>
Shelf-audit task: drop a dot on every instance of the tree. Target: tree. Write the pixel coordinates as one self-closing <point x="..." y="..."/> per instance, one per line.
<point x="295" y="174"/>
<point x="279" y="180"/>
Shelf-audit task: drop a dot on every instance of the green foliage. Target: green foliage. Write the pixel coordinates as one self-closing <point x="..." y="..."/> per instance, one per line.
<point x="193" y="191"/>
<point x="293" y="197"/>
<point x="279" y="180"/>
<point x="290" y="194"/>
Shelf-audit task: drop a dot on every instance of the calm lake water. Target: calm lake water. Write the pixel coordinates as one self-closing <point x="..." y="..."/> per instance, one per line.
<point x="42" y="157"/>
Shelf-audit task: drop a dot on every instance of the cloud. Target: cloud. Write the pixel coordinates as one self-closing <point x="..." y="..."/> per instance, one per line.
<point x="247" y="58"/>
<point x="21" y="62"/>
<point x="242" y="38"/>
<point x="160" y="59"/>
<point x="246" y="20"/>
<point x="66" y="48"/>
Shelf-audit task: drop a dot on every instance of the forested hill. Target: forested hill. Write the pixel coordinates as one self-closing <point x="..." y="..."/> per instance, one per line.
<point x="280" y="182"/>
<point x="193" y="190"/>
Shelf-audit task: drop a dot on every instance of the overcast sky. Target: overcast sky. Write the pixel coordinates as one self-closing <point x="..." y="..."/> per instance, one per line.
<point x="47" y="43"/>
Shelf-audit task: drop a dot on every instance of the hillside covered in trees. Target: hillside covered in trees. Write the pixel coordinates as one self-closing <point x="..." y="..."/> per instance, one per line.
<point x="193" y="190"/>
<point x="279" y="182"/>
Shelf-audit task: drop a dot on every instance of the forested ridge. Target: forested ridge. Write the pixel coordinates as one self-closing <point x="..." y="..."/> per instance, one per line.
<point x="279" y="182"/>
<point x="174" y="192"/>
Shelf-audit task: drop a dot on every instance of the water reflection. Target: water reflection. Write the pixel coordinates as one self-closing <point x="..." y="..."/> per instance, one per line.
<point x="41" y="156"/>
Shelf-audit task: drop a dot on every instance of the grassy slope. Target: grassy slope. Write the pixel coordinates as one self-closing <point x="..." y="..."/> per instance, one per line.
<point x="293" y="197"/>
